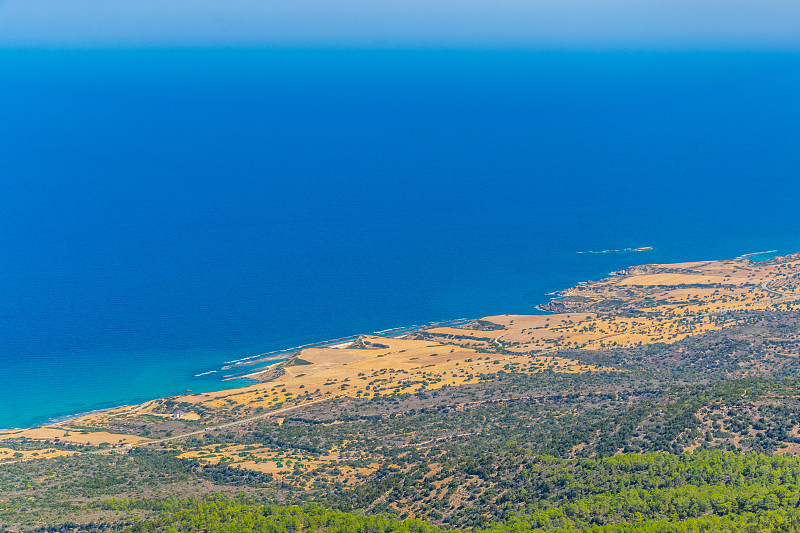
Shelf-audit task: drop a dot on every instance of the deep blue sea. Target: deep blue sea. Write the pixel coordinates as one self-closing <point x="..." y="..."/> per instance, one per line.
<point x="165" y="211"/>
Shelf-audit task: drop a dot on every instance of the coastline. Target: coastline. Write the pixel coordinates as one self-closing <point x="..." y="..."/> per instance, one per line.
<point x="572" y="357"/>
<point x="277" y="359"/>
<point x="650" y="304"/>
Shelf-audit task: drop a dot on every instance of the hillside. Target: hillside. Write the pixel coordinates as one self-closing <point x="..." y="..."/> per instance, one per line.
<point x="663" y="398"/>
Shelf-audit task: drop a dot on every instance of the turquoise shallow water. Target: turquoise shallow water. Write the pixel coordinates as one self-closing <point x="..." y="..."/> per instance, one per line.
<point x="166" y="211"/>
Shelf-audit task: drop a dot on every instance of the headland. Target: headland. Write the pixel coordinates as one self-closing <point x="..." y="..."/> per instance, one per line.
<point x="687" y="368"/>
<point x="643" y="305"/>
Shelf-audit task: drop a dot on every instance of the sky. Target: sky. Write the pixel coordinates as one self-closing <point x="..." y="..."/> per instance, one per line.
<point x="659" y="24"/>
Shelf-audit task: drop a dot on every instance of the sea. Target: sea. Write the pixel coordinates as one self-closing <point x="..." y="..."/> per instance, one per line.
<point x="165" y="212"/>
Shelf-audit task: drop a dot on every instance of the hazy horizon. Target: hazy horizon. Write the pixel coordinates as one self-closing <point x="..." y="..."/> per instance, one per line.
<point x="737" y="24"/>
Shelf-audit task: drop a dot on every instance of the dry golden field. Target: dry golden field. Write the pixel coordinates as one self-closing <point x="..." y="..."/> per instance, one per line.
<point x="642" y="305"/>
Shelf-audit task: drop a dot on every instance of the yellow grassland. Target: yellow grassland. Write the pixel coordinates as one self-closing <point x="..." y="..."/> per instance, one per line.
<point x="71" y="436"/>
<point x="643" y="305"/>
<point x="405" y="365"/>
<point x="277" y="462"/>
<point x="669" y="303"/>
<point x="10" y="455"/>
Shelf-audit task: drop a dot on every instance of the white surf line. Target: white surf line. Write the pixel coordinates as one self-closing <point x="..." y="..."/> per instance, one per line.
<point x="751" y="254"/>
<point x="537" y="354"/>
<point x="764" y="285"/>
<point x="292" y="349"/>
